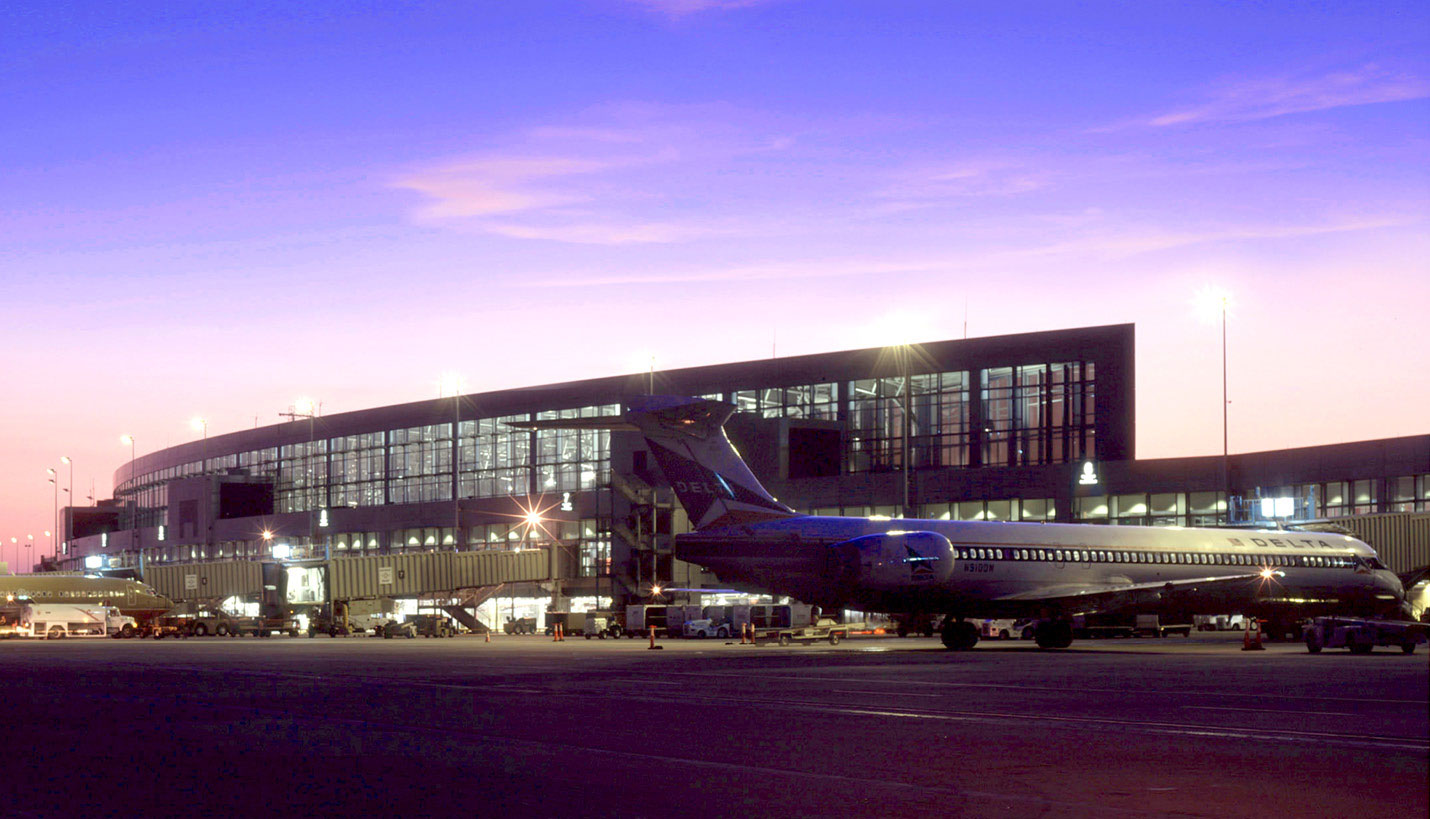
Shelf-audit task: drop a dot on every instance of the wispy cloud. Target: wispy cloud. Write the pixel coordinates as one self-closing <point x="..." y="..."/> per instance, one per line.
<point x="769" y="271"/>
<point x="628" y="174"/>
<point x="1095" y="244"/>
<point x="1268" y="97"/>
<point x="931" y="185"/>
<point x="685" y="8"/>
<point x="1125" y="243"/>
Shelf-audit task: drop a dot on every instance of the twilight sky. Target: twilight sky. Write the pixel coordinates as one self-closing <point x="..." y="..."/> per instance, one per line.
<point x="216" y="209"/>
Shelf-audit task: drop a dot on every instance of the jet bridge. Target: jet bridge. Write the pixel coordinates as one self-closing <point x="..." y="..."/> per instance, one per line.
<point x="356" y="578"/>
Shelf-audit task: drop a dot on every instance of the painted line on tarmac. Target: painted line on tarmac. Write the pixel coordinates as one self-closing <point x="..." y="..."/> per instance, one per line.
<point x="988" y="717"/>
<point x="1172" y="728"/>
<point x="1270" y="711"/>
<point x="1018" y="687"/>
<point x="742" y="769"/>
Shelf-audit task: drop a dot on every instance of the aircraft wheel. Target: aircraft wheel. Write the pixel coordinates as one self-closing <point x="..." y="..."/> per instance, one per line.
<point x="1054" y="634"/>
<point x="959" y="635"/>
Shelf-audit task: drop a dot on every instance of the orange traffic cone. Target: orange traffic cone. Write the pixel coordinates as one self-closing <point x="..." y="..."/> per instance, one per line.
<point x="652" y="640"/>
<point x="744" y="629"/>
<point x="1250" y="643"/>
<point x="489" y="635"/>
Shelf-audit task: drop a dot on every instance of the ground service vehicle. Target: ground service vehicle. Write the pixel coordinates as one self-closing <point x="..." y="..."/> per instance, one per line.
<point x="1219" y="622"/>
<point x="56" y="621"/>
<point x="392" y="629"/>
<point x="432" y="625"/>
<point x="1361" y="635"/>
<point x="519" y="625"/>
<point x="669" y="621"/>
<point x="823" y="629"/>
<point x="705" y="627"/>
<point x="1151" y="625"/>
<point x="999" y="629"/>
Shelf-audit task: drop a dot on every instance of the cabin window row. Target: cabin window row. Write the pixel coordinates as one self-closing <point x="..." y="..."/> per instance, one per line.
<point x="1168" y="558"/>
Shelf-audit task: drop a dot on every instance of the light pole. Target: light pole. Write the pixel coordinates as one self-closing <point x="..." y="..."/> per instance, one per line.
<point x="1225" y="448"/>
<point x="453" y="382"/>
<point x="307" y="408"/>
<point x="1215" y="303"/>
<point x="65" y="459"/>
<point x="202" y="424"/>
<point x="54" y="533"/>
<point x="29" y="546"/>
<point x="133" y="498"/>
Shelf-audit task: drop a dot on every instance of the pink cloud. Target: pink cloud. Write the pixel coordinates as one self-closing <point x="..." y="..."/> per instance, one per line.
<point x="684" y="8"/>
<point x="1276" y="96"/>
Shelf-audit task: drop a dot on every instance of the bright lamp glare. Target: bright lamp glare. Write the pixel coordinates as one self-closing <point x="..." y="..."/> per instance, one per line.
<point x="1211" y="301"/>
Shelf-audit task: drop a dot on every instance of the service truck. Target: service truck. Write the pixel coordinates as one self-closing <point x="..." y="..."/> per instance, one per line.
<point x="1360" y="636"/>
<point x="823" y="628"/>
<point x="56" y="621"/>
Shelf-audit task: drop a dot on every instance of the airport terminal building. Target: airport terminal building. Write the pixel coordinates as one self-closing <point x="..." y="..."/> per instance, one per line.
<point x="1028" y="427"/>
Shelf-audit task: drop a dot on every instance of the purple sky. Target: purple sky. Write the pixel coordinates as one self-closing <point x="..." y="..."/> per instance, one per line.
<point x="218" y="210"/>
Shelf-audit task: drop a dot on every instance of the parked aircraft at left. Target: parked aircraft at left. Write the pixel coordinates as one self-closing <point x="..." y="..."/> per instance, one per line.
<point x="130" y="596"/>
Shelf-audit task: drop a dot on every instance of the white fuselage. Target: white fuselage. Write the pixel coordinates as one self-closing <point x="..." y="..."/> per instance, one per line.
<point x="1007" y="568"/>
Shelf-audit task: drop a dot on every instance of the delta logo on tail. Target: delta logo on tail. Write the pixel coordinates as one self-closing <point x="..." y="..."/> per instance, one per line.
<point x="708" y="497"/>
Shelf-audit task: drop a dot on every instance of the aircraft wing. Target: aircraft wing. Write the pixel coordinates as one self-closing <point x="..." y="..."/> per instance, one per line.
<point x="1121" y="595"/>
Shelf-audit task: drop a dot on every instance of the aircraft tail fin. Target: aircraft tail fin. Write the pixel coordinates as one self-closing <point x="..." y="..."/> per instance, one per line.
<point x="687" y="437"/>
<point x="713" y="483"/>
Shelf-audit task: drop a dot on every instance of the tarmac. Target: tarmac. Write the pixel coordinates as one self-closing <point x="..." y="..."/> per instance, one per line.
<point x="877" y="726"/>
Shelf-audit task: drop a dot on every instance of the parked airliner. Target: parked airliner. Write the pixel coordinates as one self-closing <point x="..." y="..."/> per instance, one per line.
<point x="977" y="569"/>
<point x="131" y="597"/>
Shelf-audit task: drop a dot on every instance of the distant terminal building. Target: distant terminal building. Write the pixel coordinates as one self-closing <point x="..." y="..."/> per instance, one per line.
<point x="1028" y="427"/>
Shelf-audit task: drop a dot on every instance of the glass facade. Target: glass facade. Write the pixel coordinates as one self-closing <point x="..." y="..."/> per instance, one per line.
<point x="494" y="458"/>
<point x="419" y="464"/>
<point x="1039" y="414"/>
<point x="937" y="418"/>
<point x="359" y="470"/>
<point x="573" y="460"/>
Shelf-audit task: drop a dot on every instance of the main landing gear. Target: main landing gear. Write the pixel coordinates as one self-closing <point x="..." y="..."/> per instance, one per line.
<point x="958" y="634"/>
<point x="1056" y="633"/>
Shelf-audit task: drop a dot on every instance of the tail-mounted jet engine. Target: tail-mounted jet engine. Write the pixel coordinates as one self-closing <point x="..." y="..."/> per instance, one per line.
<point x="895" y="561"/>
